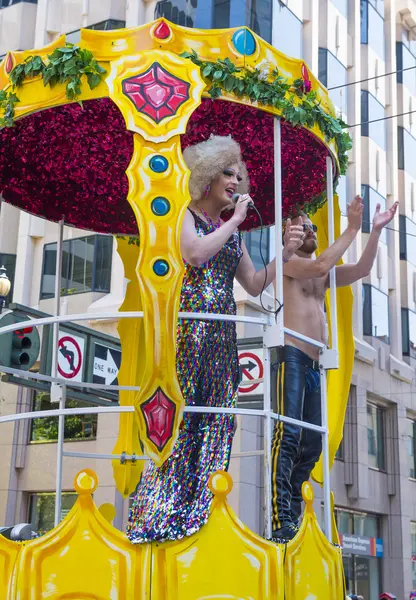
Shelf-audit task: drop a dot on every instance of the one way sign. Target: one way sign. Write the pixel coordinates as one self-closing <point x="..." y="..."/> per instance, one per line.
<point x="106" y="365"/>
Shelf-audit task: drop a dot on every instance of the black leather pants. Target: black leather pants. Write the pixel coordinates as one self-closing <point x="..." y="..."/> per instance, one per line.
<point x="294" y="450"/>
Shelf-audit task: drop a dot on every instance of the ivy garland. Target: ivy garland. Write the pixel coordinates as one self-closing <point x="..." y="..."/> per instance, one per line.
<point x="298" y="104"/>
<point x="65" y="65"/>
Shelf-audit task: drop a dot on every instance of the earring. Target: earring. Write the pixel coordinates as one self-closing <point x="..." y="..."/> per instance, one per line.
<point x="207" y="190"/>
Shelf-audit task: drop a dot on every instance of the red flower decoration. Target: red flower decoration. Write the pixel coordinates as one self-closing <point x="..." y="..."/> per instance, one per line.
<point x="9" y="63"/>
<point x="156" y="93"/>
<point x="159" y="413"/>
<point x="70" y="162"/>
<point x="307" y="83"/>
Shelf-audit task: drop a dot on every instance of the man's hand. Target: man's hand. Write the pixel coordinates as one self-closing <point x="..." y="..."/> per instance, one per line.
<point x="355" y="213"/>
<point x="380" y="220"/>
<point x="293" y="238"/>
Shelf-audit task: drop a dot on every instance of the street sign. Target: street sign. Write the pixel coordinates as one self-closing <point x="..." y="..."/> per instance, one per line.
<point x="106" y="366"/>
<point x="71" y="356"/>
<point x="251" y="367"/>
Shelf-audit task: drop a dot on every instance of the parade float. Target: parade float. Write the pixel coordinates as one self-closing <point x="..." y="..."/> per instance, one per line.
<point x="92" y="137"/>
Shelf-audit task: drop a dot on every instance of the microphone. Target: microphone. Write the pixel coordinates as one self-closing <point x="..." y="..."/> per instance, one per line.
<point x="235" y="197"/>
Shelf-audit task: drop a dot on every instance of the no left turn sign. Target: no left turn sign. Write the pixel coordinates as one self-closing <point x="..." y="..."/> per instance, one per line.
<point x="251" y="368"/>
<point x="70" y="356"/>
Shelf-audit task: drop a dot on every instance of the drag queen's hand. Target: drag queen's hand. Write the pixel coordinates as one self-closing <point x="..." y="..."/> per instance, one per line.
<point x="241" y="207"/>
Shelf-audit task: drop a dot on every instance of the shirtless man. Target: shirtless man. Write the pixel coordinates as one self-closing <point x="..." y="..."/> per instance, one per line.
<point x="305" y="280"/>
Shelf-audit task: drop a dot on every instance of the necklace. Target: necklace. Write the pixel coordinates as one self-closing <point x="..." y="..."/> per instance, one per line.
<point x="208" y="218"/>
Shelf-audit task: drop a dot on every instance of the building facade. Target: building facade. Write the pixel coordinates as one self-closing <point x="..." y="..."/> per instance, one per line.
<point x="364" y="51"/>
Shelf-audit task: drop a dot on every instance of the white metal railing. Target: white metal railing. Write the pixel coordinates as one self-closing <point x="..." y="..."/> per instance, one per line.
<point x="274" y="333"/>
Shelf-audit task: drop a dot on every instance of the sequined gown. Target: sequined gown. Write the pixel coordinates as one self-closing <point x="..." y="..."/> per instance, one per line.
<point x="173" y="501"/>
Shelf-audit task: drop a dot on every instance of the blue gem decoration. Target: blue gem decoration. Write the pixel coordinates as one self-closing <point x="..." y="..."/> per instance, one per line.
<point x="160" y="206"/>
<point x="244" y="42"/>
<point x="161" y="267"/>
<point x="158" y="163"/>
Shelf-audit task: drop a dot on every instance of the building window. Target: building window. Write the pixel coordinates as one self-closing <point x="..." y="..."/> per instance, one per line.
<point x="376" y="313"/>
<point x="289" y="27"/>
<point x="407" y="239"/>
<point x="372" y="26"/>
<point x="375" y="435"/>
<point x="373" y="110"/>
<point x="371" y="199"/>
<point x="41" y="514"/>
<point x="77" y="427"/>
<point x="6" y="3"/>
<point x="333" y="73"/>
<point x="413" y="534"/>
<point x="252" y="240"/>
<point x="183" y="12"/>
<point x="411" y="427"/>
<point x="86" y="266"/>
<point x="9" y="262"/>
<point x="219" y="14"/>
<point x="342" y="6"/>
<point x="408" y="332"/>
<point x="407" y="151"/>
<point x="406" y="60"/>
<point x="74" y="37"/>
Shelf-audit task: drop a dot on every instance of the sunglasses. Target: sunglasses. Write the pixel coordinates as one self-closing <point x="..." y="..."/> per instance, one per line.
<point x="312" y="227"/>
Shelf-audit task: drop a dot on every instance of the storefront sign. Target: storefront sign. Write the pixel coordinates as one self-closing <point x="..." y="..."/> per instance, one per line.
<point x="358" y="544"/>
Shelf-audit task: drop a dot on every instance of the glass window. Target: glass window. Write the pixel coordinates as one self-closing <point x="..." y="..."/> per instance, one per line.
<point x="407" y="239"/>
<point x="259" y="18"/>
<point x="75" y="36"/>
<point x="407" y="151"/>
<point x="6" y="3"/>
<point x="406" y="60"/>
<point x="413" y="533"/>
<point x="181" y="12"/>
<point x="9" y="262"/>
<point x="221" y="14"/>
<point x="42" y="510"/>
<point x="372" y="26"/>
<point x="253" y="239"/>
<point x="289" y="28"/>
<point x="411" y="429"/>
<point x="77" y="427"/>
<point x="373" y="110"/>
<point x="333" y="73"/>
<point x="375" y="435"/>
<point x="371" y="199"/>
<point x="86" y="266"/>
<point x="376" y="313"/>
<point x="408" y="332"/>
<point x="342" y="6"/>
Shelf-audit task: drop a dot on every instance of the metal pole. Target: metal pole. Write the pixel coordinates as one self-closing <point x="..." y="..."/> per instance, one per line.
<point x="55" y="339"/>
<point x="325" y="459"/>
<point x="56" y="388"/>
<point x="331" y="238"/>
<point x="267" y="434"/>
<point x="59" y="458"/>
<point x="278" y="226"/>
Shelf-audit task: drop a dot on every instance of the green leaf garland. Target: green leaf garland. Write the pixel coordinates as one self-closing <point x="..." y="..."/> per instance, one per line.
<point x="269" y="88"/>
<point x="66" y="65"/>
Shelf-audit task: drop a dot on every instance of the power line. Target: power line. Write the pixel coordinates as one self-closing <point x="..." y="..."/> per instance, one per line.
<point x="410" y="112"/>
<point x="337" y="87"/>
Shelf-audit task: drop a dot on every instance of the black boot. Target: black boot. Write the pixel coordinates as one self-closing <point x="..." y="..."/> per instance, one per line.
<point x="284" y="534"/>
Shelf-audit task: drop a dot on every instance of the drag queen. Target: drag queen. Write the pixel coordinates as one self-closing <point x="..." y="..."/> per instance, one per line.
<point x="173" y="501"/>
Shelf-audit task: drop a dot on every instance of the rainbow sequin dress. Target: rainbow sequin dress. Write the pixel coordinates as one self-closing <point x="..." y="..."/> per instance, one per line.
<point x="173" y="501"/>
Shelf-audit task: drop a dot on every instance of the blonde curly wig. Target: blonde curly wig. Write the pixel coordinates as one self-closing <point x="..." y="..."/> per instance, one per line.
<point x="208" y="159"/>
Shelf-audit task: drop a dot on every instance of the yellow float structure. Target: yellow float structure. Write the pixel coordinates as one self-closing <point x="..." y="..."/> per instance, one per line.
<point x="157" y="76"/>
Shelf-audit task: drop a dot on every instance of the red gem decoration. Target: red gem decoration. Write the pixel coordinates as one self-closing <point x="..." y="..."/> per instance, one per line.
<point x="9" y="63"/>
<point x="162" y="31"/>
<point x="307" y="83"/>
<point x="159" y="413"/>
<point x="156" y="93"/>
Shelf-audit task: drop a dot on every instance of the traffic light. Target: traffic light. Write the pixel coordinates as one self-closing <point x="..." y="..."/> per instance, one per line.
<point x="18" y="349"/>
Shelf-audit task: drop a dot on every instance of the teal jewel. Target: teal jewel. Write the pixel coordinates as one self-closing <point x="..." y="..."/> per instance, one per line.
<point x="244" y="42"/>
<point x="161" y="267"/>
<point x="160" y="206"/>
<point x="158" y="163"/>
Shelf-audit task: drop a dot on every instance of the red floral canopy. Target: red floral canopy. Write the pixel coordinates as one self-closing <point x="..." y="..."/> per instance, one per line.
<point x="69" y="162"/>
